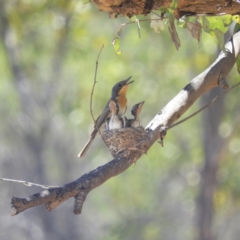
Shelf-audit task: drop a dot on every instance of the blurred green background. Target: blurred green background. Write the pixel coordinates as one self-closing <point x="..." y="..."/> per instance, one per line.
<point x="189" y="189"/>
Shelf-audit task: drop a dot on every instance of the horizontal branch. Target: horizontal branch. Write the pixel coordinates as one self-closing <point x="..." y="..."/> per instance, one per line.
<point x="167" y="116"/>
<point x="194" y="7"/>
<point x="78" y="189"/>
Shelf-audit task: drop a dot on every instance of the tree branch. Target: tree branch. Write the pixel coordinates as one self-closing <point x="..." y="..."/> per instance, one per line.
<point x="136" y="7"/>
<point x="79" y="189"/>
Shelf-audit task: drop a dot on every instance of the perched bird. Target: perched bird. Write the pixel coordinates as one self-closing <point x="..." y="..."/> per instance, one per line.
<point x="136" y="110"/>
<point x="114" y="122"/>
<point x="119" y="92"/>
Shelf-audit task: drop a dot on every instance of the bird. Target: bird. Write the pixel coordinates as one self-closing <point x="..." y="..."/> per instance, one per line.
<point x="136" y="110"/>
<point x="114" y="122"/>
<point x="119" y="92"/>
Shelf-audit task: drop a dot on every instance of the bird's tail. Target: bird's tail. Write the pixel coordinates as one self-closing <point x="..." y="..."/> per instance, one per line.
<point x="88" y="144"/>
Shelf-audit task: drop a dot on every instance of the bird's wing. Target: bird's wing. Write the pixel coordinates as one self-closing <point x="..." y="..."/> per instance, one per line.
<point x="103" y="117"/>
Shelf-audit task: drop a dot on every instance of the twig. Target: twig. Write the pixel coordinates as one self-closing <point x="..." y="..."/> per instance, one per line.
<point x="29" y="184"/>
<point x="201" y="109"/>
<point x="94" y="83"/>
<point x="91" y="98"/>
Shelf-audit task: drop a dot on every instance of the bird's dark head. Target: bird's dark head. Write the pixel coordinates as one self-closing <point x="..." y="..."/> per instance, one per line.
<point x="137" y="108"/>
<point x="121" y="87"/>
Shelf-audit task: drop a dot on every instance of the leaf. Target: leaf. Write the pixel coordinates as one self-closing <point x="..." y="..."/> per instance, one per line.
<point x="139" y="27"/>
<point x="195" y="28"/>
<point x="174" y="4"/>
<point x="216" y="26"/>
<point x="173" y="32"/>
<point x="220" y="22"/>
<point x="133" y="18"/>
<point x="220" y="37"/>
<point x="116" y="42"/>
<point x="205" y="24"/>
<point x="156" y="23"/>
<point x="227" y="19"/>
<point x="236" y="18"/>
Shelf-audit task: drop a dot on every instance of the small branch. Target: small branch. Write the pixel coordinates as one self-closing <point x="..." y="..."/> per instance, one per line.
<point x="94" y="83"/>
<point x="26" y="183"/>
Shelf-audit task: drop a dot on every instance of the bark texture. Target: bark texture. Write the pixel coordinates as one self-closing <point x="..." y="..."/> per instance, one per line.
<point x="136" y="7"/>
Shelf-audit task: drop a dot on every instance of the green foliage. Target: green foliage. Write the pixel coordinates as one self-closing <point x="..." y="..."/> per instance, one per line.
<point x="174" y="4"/>
<point x="216" y="26"/>
<point x="221" y="23"/>
<point x="116" y="42"/>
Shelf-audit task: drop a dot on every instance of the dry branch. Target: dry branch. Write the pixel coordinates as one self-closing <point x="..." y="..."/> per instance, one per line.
<point x="193" y="7"/>
<point x="79" y="189"/>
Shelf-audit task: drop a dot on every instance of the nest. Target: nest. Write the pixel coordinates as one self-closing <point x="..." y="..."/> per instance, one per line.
<point x="125" y="141"/>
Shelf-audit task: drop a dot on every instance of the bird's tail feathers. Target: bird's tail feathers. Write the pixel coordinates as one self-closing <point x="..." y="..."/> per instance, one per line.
<point x="88" y="144"/>
<point x="85" y="148"/>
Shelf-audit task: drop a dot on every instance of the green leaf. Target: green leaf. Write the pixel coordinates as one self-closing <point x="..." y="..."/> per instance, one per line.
<point x="220" y="37"/>
<point x="220" y="22"/>
<point x="174" y="4"/>
<point x="237" y="27"/>
<point x="236" y="18"/>
<point x="116" y="43"/>
<point x="216" y="26"/>
<point x="227" y="19"/>
<point x="133" y="18"/>
<point x="205" y="24"/>
<point x="139" y="27"/>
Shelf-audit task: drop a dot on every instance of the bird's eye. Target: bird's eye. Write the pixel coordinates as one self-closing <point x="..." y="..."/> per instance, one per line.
<point x="119" y="84"/>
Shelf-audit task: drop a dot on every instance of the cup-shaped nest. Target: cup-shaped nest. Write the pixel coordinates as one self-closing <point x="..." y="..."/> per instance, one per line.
<point x="124" y="141"/>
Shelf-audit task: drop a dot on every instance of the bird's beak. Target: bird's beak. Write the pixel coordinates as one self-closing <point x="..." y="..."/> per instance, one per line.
<point x="140" y="105"/>
<point x="127" y="81"/>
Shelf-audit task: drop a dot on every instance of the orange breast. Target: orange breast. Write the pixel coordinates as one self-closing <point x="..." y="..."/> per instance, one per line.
<point x="122" y="101"/>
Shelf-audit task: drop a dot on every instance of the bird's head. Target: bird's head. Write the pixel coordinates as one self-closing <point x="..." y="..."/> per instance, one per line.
<point x="137" y="108"/>
<point x="121" y="88"/>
